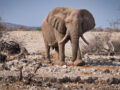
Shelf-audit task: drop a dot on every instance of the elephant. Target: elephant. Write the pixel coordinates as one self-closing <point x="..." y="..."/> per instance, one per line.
<point x="63" y="24"/>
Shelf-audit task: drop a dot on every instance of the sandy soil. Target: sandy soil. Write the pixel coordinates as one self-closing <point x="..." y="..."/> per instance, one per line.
<point x="99" y="73"/>
<point x="32" y="41"/>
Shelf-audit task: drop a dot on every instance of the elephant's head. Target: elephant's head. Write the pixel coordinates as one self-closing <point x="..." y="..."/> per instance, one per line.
<point x="73" y="23"/>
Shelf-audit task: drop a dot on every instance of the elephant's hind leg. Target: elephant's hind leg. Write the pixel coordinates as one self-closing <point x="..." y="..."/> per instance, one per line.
<point x="47" y="53"/>
<point x="57" y="52"/>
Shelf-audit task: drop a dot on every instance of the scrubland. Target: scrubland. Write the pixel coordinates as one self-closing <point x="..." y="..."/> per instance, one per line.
<point x="101" y="72"/>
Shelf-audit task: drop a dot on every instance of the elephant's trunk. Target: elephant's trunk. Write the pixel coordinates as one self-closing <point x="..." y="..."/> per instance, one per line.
<point x="75" y="44"/>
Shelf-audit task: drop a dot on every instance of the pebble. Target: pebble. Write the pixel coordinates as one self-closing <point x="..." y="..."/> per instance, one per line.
<point x="64" y="66"/>
<point x="106" y="71"/>
<point x="5" y="67"/>
<point x="61" y="74"/>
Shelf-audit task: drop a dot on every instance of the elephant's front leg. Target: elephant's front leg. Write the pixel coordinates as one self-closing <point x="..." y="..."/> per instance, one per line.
<point x="79" y="56"/>
<point x="79" y="61"/>
<point x="61" y="60"/>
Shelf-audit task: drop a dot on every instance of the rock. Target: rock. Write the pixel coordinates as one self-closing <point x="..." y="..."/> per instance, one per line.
<point x="25" y="61"/>
<point x="27" y="79"/>
<point x="106" y="71"/>
<point x="5" y="67"/>
<point x="1" y="68"/>
<point x="33" y="88"/>
<point x="2" y="58"/>
<point x="53" y="80"/>
<point x="78" y="79"/>
<point x="113" y="80"/>
<point x="11" y="79"/>
<point x="65" y="79"/>
<point x="9" y="76"/>
<point x="90" y="80"/>
<point x="39" y="83"/>
<point x="64" y="66"/>
<point x="9" y="47"/>
<point x="29" y="71"/>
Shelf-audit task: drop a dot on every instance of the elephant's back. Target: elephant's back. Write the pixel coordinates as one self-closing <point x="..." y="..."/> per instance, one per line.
<point x="58" y="10"/>
<point x="61" y="12"/>
<point x="48" y="34"/>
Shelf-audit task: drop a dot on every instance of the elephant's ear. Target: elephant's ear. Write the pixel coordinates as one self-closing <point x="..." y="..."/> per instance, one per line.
<point x="88" y="20"/>
<point x="57" y="23"/>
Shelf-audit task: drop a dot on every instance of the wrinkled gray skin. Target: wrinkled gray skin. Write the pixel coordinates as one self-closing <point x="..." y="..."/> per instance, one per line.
<point x="63" y="24"/>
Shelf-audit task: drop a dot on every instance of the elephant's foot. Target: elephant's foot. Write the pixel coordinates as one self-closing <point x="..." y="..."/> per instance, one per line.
<point x="59" y="62"/>
<point x="47" y="61"/>
<point x="70" y="63"/>
<point x="79" y="62"/>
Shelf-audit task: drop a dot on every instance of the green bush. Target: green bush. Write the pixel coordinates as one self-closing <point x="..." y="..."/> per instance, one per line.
<point x="2" y="27"/>
<point x="39" y="28"/>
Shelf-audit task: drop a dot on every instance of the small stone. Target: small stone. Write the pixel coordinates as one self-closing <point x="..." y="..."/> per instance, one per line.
<point x="44" y="65"/>
<point x="25" y="61"/>
<point x="64" y="66"/>
<point x="53" y="80"/>
<point x="2" y="58"/>
<point x="106" y="71"/>
<point x="90" y="80"/>
<point x="1" y="66"/>
<point x="81" y="86"/>
<point x="43" y="57"/>
<point x="95" y="70"/>
<point x="4" y="66"/>
<point x="39" y="83"/>
<point x="66" y="86"/>
<point x="1" y="78"/>
<point x="11" y="78"/>
<point x="13" y="68"/>
<point x="33" y="88"/>
<point x="78" y="79"/>
<point x="65" y="79"/>
<point x="113" y="80"/>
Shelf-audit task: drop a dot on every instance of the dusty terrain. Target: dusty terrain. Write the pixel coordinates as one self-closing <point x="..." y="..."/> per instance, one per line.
<point x="99" y="73"/>
<point x="32" y="40"/>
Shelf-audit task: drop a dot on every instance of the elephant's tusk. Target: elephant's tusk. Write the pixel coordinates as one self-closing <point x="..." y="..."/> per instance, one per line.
<point x="65" y="37"/>
<point x="84" y="40"/>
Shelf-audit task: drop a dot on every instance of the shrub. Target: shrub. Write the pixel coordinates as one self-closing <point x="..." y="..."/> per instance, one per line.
<point x="2" y="27"/>
<point x="39" y="28"/>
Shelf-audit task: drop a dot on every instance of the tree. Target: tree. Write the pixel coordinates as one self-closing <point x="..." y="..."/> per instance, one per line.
<point x="115" y="24"/>
<point x="0" y="18"/>
<point x="2" y="27"/>
<point x="39" y="28"/>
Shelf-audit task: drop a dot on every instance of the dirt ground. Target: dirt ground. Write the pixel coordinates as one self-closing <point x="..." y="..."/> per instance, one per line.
<point x="31" y="40"/>
<point x="99" y="73"/>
